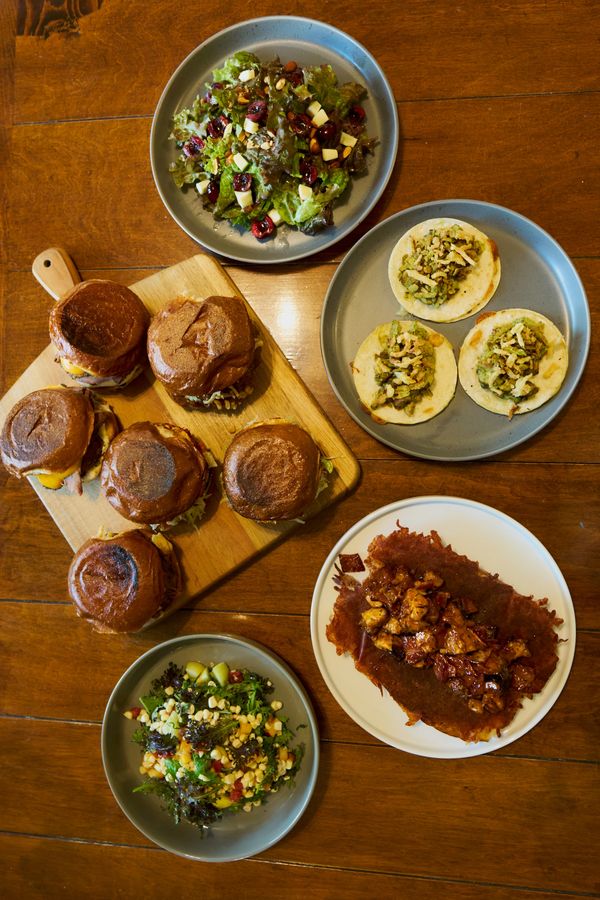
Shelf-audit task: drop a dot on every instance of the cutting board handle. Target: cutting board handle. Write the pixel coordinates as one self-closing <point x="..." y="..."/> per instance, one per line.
<point x="56" y="272"/>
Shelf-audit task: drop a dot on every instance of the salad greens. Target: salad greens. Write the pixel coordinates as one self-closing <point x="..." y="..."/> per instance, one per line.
<point x="212" y="740"/>
<point x="271" y="144"/>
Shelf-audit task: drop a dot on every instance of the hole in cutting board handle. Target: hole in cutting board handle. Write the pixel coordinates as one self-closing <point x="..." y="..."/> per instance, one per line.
<point x="47" y="263"/>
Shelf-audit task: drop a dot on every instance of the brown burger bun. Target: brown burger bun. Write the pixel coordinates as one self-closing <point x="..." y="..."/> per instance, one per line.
<point x="153" y="473"/>
<point x="198" y="347"/>
<point x="271" y="471"/>
<point x="100" y="326"/>
<point x="48" y="430"/>
<point x="121" y="583"/>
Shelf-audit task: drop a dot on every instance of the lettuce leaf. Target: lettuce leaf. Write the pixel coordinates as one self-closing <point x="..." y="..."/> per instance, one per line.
<point x="236" y="64"/>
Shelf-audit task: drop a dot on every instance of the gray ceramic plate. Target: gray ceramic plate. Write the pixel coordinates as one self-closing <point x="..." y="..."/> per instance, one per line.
<point x="309" y="43"/>
<point x="237" y="836"/>
<point x="536" y="274"/>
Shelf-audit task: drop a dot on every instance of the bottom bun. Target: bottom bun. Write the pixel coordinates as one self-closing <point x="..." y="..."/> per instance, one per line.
<point x="121" y="582"/>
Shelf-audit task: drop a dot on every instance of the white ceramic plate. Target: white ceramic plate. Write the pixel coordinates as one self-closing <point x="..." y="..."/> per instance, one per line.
<point x="309" y="42"/>
<point x="500" y="545"/>
<point x="233" y="837"/>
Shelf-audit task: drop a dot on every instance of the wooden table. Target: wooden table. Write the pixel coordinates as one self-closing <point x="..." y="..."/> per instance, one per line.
<point x="497" y="102"/>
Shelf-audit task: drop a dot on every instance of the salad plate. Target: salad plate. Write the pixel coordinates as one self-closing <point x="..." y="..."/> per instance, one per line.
<point x="308" y="42"/>
<point x="238" y="835"/>
<point x="500" y="545"/>
<point x="537" y="274"/>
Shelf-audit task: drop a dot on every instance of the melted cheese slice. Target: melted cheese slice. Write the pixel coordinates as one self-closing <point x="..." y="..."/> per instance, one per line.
<point x="55" y="480"/>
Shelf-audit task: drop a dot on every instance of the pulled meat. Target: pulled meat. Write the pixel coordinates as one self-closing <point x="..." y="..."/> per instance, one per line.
<point x="452" y="644"/>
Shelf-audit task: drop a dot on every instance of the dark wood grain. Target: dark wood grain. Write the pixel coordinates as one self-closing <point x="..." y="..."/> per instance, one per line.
<point x="47" y="869"/>
<point x="480" y="790"/>
<point x="436" y="52"/>
<point x="42" y="18"/>
<point x="65" y="647"/>
<point x="497" y="102"/>
<point x="130" y="227"/>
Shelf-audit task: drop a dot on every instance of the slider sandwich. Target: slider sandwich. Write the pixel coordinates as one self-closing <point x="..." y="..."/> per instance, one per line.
<point x="203" y="351"/>
<point x="273" y="471"/>
<point x="119" y="583"/>
<point x="99" y="330"/>
<point x="157" y="475"/>
<point x="59" y="434"/>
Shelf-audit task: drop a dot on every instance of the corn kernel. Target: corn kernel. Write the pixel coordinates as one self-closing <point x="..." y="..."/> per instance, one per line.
<point x="276" y="704"/>
<point x="169" y="691"/>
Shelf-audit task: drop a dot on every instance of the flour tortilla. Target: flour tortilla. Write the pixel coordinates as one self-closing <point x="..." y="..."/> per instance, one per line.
<point x="476" y="289"/>
<point x="553" y="365"/>
<point x="442" y="388"/>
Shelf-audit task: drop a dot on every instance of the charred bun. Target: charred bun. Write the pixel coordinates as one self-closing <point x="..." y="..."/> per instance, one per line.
<point x="271" y="471"/>
<point x="99" y="330"/>
<point x="153" y="474"/>
<point x="120" y="583"/>
<point x="203" y="350"/>
<point x="55" y="433"/>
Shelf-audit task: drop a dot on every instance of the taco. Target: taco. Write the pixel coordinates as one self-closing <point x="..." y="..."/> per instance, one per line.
<point x="512" y="361"/>
<point x="404" y="372"/>
<point x="443" y="270"/>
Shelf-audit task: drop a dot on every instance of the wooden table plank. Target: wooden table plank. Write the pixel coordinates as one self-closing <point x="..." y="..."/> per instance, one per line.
<point x="490" y="800"/>
<point x="459" y="52"/>
<point x="112" y="214"/>
<point x="552" y="493"/>
<point x="48" y="868"/>
<point x="65" y="647"/>
<point x="291" y="298"/>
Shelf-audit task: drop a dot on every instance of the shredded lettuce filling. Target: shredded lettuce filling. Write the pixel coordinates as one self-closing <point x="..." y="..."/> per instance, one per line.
<point x="512" y="358"/>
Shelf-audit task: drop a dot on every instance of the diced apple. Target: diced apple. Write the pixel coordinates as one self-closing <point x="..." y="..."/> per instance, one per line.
<point x="314" y="108"/>
<point x="250" y="127"/>
<point x="220" y="673"/>
<point x="320" y="118"/>
<point x="244" y="198"/>
<point x="305" y="192"/>
<point x="247" y="75"/>
<point x="240" y="161"/>
<point x="202" y="186"/>
<point x="328" y="154"/>
<point x="275" y="217"/>
<point x="347" y="140"/>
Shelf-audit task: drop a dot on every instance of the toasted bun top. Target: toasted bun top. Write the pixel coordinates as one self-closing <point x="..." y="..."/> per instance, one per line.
<point x="153" y="473"/>
<point x="47" y="430"/>
<point x="271" y="471"/>
<point x="120" y="583"/>
<point x="198" y="347"/>
<point x="101" y="327"/>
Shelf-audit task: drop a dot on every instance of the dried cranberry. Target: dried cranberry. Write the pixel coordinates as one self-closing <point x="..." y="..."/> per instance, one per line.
<point x="300" y="124"/>
<point x="237" y="791"/>
<point x="256" y="111"/>
<point x="242" y="181"/>
<point x="327" y="134"/>
<point x="193" y="146"/>
<point x="356" y="114"/>
<point x="217" y="85"/>
<point x="308" y="172"/>
<point x="263" y="229"/>
<point x="296" y="77"/>
<point x="235" y="676"/>
<point x="135" y="711"/>
<point x="216" y="127"/>
<point x="212" y="191"/>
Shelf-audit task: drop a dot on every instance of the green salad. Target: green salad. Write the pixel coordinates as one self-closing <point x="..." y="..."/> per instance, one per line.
<point x="212" y="740"/>
<point x="272" y="144"/>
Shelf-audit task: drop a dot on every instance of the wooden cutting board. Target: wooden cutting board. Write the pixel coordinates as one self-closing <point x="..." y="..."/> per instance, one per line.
<point x="224" y="540"/>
